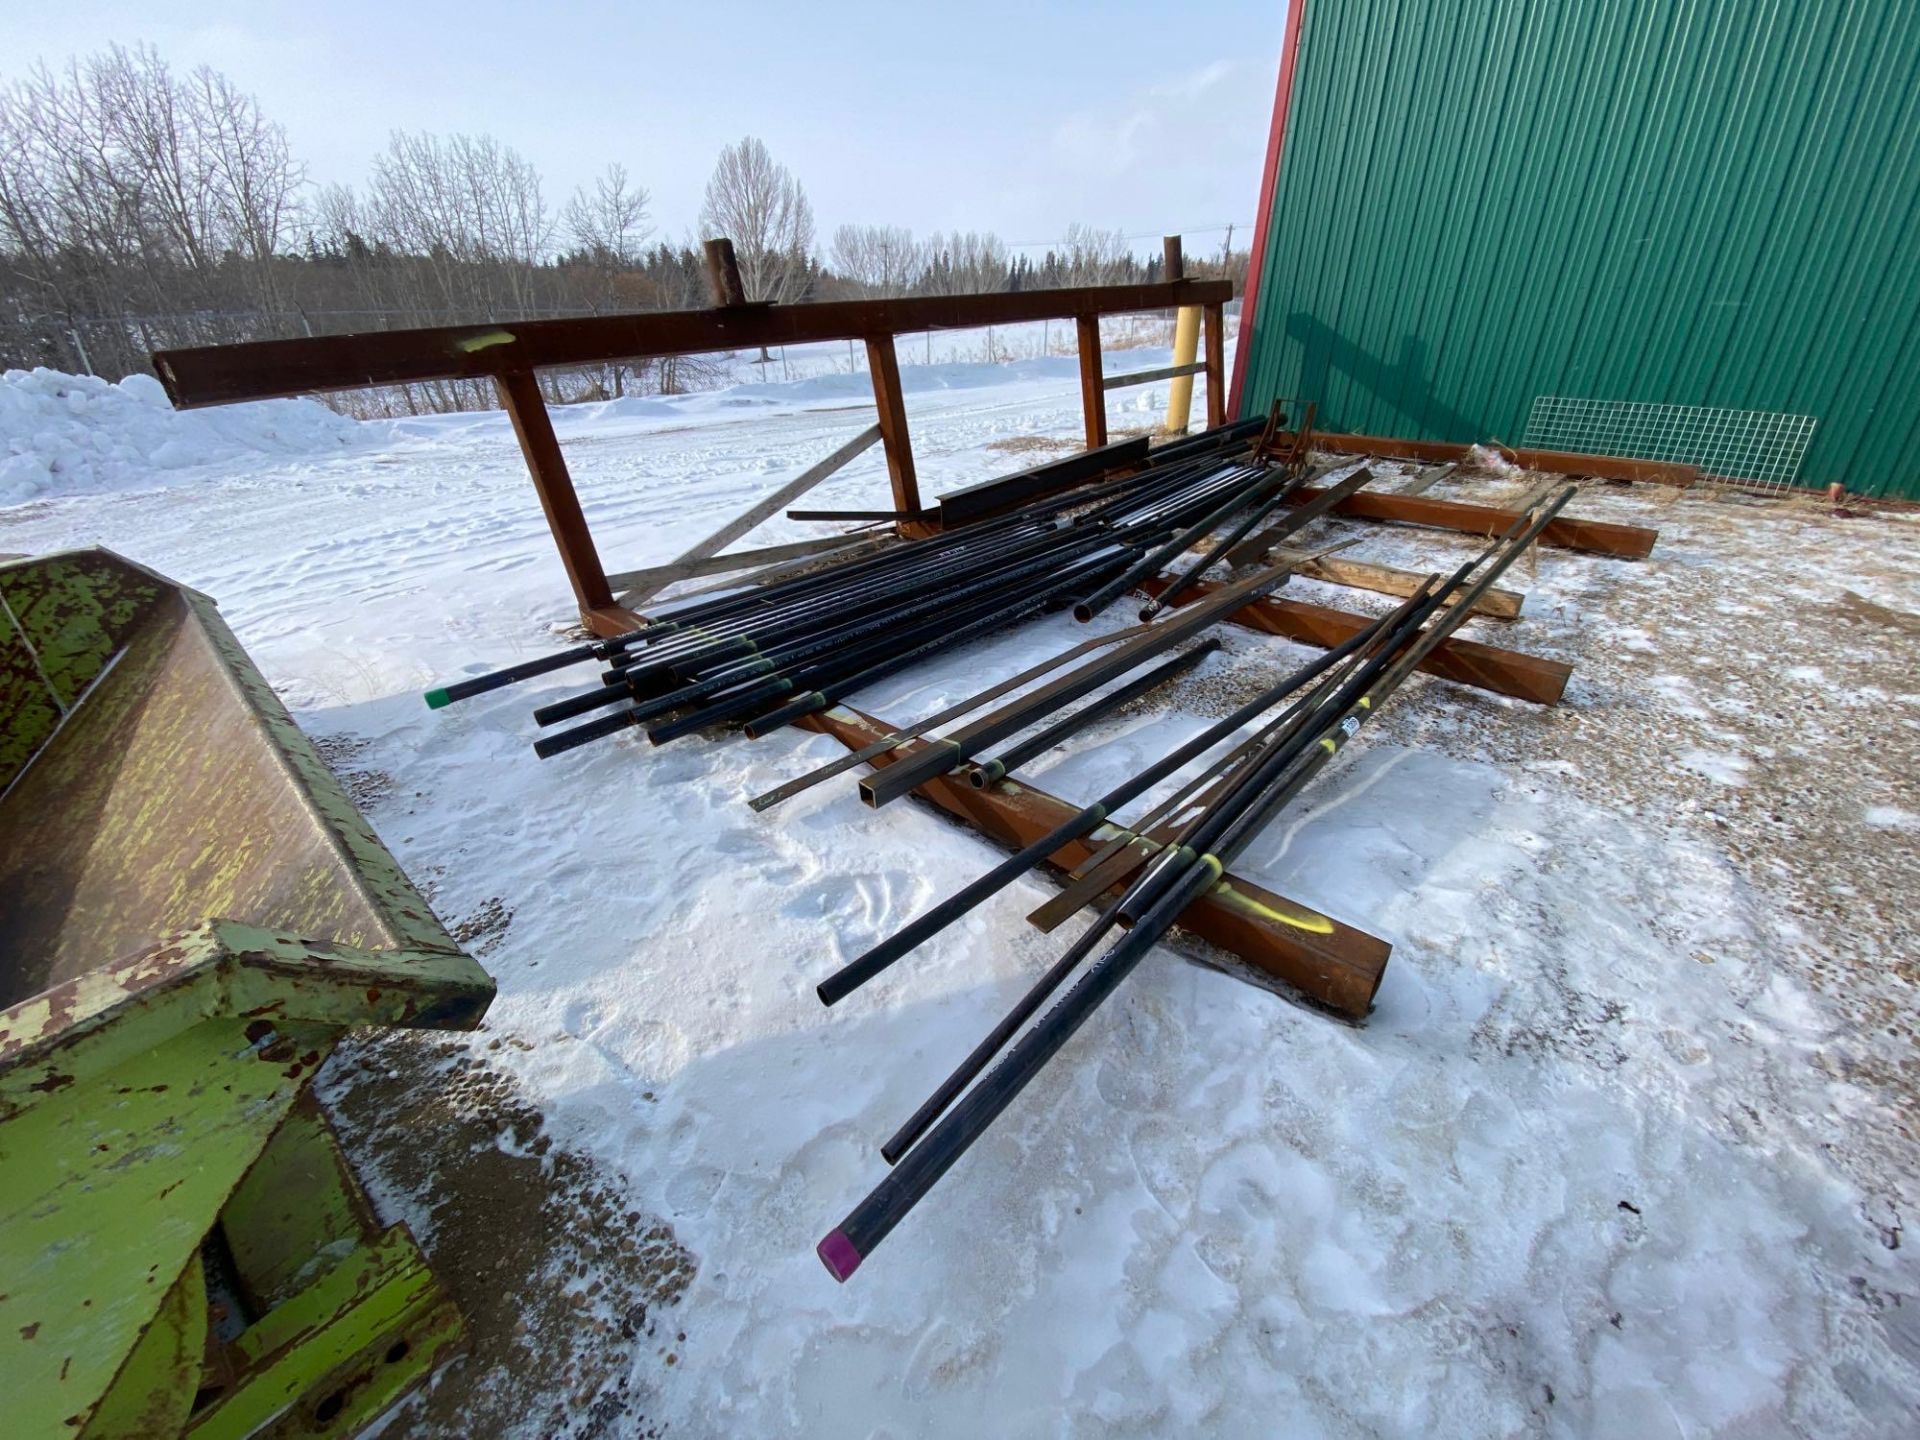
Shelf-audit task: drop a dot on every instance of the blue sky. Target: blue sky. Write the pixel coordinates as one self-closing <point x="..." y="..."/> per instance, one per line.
<point x="1014" y="118"/>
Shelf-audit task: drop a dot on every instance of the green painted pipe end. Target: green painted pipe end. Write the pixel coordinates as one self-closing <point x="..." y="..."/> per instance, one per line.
<point x="436" y="699"/>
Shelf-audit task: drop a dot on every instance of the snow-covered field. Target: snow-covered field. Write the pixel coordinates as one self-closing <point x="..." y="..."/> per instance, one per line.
<point x="1625" y="1149"/>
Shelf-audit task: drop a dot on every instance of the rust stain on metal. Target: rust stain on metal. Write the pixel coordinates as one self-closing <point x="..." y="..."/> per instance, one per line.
<point x="1599" y="537"/>
<point x="1556" y="462"/>
<point x="1466" y="662"/>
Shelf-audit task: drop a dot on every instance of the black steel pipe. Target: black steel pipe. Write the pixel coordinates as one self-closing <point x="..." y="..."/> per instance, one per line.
<point x="1189" y="875"/>
<point x="842" y="608"/>
<point x="671" y="622"/>
<point x="829" y="695"/>
<point x="896" y="738"/>
<point x="664" y="628"/>
<point x="992" y="772"/>
<point x="1137" y="491"/>
<point x="874" y="1218"/>
<point x="513" y="674"/>
<point x="817" y="700"/>
<point x="1168" y="510"/>
<point x="1450" y="605"/>
<point x="1150" y="563"/>
<point x="1145" y="886"/>
<point x="561" y="741"/>
<point x="945" y="754"/>
<point x="747" y="632"/>
<point x="772" y="658"/>
<point x="1210" y="557"/>
<point x="730" y="614"/>
<point x="982" y="1055"/>
<point x="996" y="610"/>
<point x="1323" y="710"/>
<point x="917" y="932"/>
<point x="1105" y="868"/>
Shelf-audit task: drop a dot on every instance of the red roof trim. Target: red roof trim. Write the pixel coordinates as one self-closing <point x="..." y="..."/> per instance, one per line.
<point x="1269" y="179"/>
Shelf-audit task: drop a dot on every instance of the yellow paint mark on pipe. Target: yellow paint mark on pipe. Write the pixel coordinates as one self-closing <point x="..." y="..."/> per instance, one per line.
<point x="485" y="340"/>
<point x="1296" y="918"/>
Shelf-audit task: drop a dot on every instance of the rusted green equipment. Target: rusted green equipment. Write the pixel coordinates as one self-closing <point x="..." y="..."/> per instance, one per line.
<point x="191" y="912"/>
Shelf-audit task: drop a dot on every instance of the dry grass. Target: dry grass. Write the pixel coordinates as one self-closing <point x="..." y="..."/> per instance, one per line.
<point x="1031" y="444"/>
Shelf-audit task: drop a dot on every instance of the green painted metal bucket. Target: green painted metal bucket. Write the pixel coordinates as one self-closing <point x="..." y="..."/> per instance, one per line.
<point x="191" y="912"/>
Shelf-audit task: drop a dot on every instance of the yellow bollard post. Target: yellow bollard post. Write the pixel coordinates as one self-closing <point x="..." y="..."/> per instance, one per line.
<point x="1186" y="345"/>
<point x="1186" y="342"/>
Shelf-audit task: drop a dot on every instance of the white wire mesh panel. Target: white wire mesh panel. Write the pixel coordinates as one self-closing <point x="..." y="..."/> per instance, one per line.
<point x="1756" y="447"/>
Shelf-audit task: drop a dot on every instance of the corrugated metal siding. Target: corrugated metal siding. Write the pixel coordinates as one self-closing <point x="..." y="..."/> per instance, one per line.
<point x="1708" y="203"/>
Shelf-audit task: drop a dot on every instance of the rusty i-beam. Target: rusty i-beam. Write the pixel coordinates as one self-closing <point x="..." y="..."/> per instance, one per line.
<point x="1466" y="662"/>
<point x="1599" y="537"/>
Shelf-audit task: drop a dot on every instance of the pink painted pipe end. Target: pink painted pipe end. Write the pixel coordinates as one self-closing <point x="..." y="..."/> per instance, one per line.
<point x="836" y="1252"/>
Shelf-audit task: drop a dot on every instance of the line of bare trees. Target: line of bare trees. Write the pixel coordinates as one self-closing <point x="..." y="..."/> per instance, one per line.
<point x="142" y="209"/>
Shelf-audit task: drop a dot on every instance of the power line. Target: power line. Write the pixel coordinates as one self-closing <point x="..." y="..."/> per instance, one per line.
<point x="1144" y="235"/>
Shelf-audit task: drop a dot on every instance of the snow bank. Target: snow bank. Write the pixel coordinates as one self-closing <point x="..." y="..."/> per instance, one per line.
<point x="78" y="434"/>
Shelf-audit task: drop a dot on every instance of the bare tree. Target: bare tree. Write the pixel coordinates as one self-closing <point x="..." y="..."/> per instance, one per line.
<point x="125" y="190"/>
<point x="755" y="202"/>
<point x="609" y="222"/>
<point x="609" y="228"/>
<point x="877" y="260"/>
<point x="472" y="206"/>
<point x="142" y="209"/>
<point x="1096" y="257"/>
<point x="251" y="173"/>
<point x="965" y="263"/>
<point x="43" y="251"/>
<point x="338" y="216"/>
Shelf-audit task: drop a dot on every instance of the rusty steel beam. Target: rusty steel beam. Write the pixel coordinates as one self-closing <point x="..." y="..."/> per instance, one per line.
<point x="220" y="374"/>
<point x="855" y="517"/>
<point x="723" y="273"/>
<point x="1216" y="352"/>
<point x="1496" y="604"/>
<point x="1147" y="377"/>
<point x="883" y="364"/>
<point x="763" y="509"/>
<point x="1333" y="964"/>
<point x="1466" y="662"/>
<point x="1093" y="390"/>
<point x="1007" y="492"/>
<point x="1556" y="462"/>
<point x="1598" y="537"/>
<point x="533" y="427"/>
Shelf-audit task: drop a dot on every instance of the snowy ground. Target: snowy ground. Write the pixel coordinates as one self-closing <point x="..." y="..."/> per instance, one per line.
<point x="1626" y="1148"/>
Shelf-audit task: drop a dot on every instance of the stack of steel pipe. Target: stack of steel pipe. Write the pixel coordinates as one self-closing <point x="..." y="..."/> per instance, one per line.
<point x="770" y="655"/>
<point x="1239" y="794"/>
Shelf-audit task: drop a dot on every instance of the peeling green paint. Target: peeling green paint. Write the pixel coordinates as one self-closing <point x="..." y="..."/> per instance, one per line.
<point x="485" y="340"/>
<point x="195" y="913"/>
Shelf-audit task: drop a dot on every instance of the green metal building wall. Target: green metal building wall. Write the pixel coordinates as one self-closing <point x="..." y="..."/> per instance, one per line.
<point x="1698" y="202"/>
